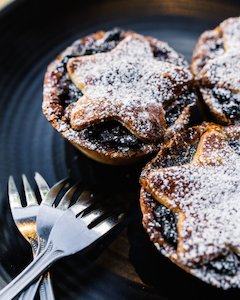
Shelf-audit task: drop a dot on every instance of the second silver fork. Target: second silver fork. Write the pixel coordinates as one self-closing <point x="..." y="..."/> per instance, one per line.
<point x="25" y="219"/>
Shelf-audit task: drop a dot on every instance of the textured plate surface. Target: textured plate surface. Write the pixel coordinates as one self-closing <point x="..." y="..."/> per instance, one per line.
<point x="32" y="33"/>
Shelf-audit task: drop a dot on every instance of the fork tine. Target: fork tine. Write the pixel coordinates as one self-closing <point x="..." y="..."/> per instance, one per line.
<point x="66" y="199"/>
<point x="42" y="185"/>
<point x="30" y="196"/>
<point x="93" y="215"/>
<point x="54" y="191"/>
<point x="86" y="195"/>
<point x="96" y="213"/>
<point x="109" y="223"/>
<point x="83" y="201"/>
<point x="14" y="197"/>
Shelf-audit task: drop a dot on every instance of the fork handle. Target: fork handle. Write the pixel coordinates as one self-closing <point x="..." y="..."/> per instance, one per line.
<point x="45" y="289"/>
<point x="36" y="268"/>
<point x="30" y="293"/>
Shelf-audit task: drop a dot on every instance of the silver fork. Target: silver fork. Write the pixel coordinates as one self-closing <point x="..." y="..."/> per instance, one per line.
<point x="75" y="230"/>
<point x="47" y="207"/>
<point x="50" y="211"/>
<point x="25" y="220"/>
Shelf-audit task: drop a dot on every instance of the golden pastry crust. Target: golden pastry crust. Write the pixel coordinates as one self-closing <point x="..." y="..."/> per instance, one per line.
<point x="216" y="65"/>
<point x="138" y="86"/>
<point x="190" y="202"/>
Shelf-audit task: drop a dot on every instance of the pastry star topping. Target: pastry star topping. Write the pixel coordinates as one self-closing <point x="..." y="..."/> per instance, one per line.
<point x="206" y="196"/>
<point x="128" y="85"/>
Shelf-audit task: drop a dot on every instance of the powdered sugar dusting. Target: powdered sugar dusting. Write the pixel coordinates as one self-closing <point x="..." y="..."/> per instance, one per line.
<point x="210" y="276"/>
<point x="223" y="72"/>
<point x="231" y="29"/>
<point x="129" y="83"/>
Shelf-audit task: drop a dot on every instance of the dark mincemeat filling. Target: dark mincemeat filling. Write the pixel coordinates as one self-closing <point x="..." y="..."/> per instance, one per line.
<point x="110" y="40"/>
<point x="69" y="93"/>
<point x="177" y="158"/>
<point x="167" y="221"/>
<point x="235" y="145"/>
<point x="174" y="109"/>
<point x="159" y="53"/>
<point x="226" y="265"/>
<point x="214" y="48"/>
<point x="112" y="135"/>
<point x="229" y="103"/>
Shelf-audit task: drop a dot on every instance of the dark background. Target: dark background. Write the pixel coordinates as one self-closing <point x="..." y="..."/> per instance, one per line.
<point x="32" y="33"/>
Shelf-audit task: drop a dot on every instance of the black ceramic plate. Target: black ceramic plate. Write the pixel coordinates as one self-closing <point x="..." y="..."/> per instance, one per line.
<point x="32" y="33"/>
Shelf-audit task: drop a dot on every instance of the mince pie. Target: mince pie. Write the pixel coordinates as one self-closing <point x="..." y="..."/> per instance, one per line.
<point x="190" y="202"/>
<point x="116" y="95"/>
<point x="216" y="65"/>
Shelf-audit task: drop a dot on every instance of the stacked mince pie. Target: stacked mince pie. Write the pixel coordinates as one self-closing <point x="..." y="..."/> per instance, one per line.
<point x="119" y="96"/>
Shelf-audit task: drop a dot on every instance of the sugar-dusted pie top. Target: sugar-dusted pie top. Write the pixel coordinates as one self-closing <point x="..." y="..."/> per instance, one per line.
<point x="205" y="194"/>
<point x="225" y="38"/>
<point x="208" y="197"/>
<point x="216" y="67"/>
<point x="126" y="84"/>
